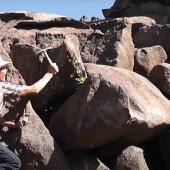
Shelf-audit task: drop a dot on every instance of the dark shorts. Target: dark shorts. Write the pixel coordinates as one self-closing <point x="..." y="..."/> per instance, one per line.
<point x="8" y="160"/>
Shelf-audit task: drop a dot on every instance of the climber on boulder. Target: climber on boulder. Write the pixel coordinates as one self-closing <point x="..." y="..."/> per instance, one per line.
<point x="12" y="92"/>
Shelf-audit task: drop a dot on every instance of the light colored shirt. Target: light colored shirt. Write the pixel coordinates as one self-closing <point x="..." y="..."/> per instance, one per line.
<point x="9" y="96"/>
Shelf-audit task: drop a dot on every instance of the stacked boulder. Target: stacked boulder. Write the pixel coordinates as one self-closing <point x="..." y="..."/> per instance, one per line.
<point x="110" y="97"/>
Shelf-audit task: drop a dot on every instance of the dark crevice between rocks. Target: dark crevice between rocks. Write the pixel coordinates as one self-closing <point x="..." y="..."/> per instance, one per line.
<point x="140" y="69"/>
<point x="108" y="57"/>
<point x="166" y="95"/>
<point x="152" y="154"/>
<point x="6" y="17"/>
<point x="49" y="24"/>
<point x="151" y="151"/>
<point x="54" y="104"/>
<point x="167" y="60"/>
<point x="135" y="29"/>
<point x="108" y="153"/>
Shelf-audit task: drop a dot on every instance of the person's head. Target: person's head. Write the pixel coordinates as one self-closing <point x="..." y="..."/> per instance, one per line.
<point x="3" y="69"/>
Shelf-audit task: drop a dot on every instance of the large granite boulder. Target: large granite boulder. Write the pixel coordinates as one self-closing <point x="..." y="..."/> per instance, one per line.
<point x="131" y="158"/>
<point x="148" y="36"/>
<point x="113" y="105"/>
<point x="146" y="58"/>
<point x="114" y="47"/>
<point x="158" y="10"/>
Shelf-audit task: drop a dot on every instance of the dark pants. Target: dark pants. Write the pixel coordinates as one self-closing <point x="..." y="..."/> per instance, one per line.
<point x="8" y="160"/>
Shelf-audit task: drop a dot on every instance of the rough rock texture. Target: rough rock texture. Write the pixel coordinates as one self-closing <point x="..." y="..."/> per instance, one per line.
<point x="114" y="48"/>
<point x="113" y="109"/>
<point x="160" y="76"/>
<point x="38" y="29"/>
<point x="131" y="158"/>
<point x="11" y="77"/>
<point x="158" y="10"/>
<point x="89" y="118"/>
<point x="146" y="58"/>
<point x="29" y="32"/>
<point x="35" y="146"/>
<point x="106" y="24"/>
<point x="42" y="30"/>
<point x="148" y="36"/>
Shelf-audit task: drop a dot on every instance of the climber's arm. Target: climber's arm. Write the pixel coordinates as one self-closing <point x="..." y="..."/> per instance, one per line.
<point x="39" y="85"/>
<point x="36" y="87"/>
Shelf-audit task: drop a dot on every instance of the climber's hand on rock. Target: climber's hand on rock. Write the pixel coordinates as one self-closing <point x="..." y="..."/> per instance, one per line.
<point x="53" y="68"/>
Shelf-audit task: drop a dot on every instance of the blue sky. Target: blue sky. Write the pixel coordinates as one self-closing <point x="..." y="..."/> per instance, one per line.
<point x="72" y="8"/>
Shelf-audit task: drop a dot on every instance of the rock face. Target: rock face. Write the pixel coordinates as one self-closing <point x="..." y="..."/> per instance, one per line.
<point x="147" y="58"/>
<point x="104" y="25"/>
<point x="148" y="36"/>
<point x="98" y="107"/>
<point x="131" y="158"/>
<point x="127" y="8"/>
<point x="32" y="140"/>
<point x="90" y="117"/>
<point x="114" y="47"/>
